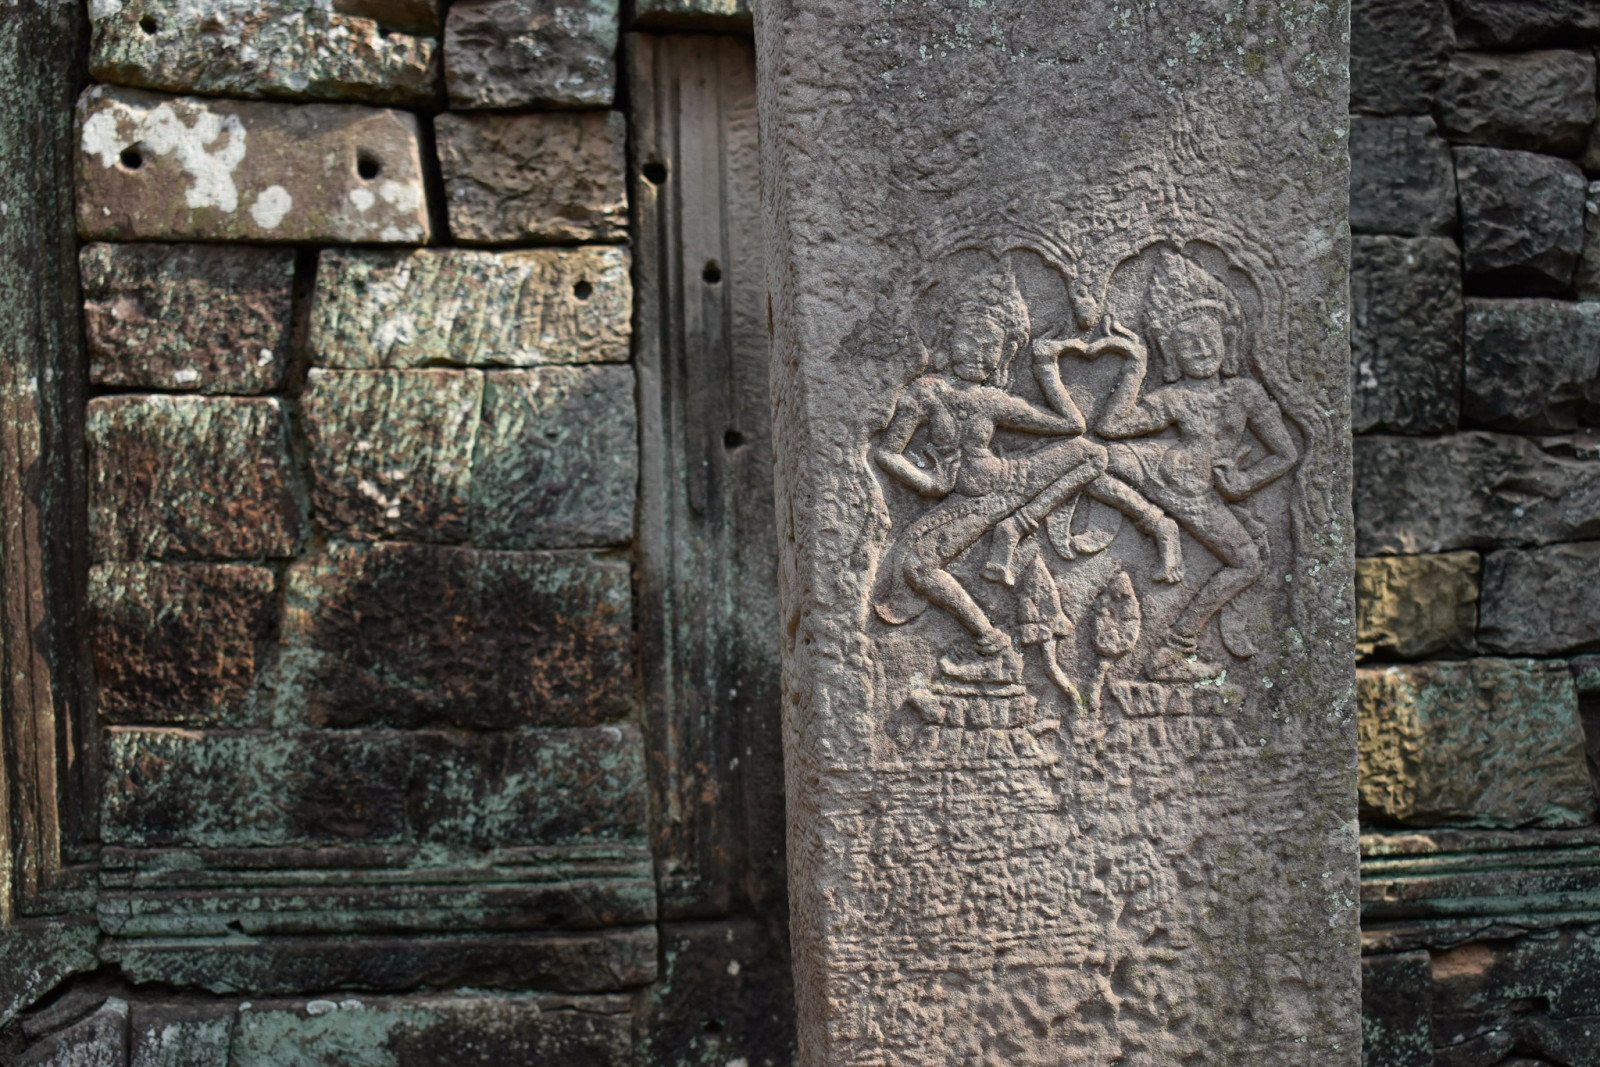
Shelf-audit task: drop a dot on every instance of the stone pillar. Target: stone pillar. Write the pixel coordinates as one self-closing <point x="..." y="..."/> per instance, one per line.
<point x="1061" y="401"/>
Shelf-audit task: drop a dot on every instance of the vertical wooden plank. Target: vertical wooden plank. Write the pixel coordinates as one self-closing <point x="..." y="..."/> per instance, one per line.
<point x="706" y="546"/>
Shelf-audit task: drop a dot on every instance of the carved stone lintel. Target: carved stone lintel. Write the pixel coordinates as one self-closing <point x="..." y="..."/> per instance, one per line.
<point x="1060" y="395"/>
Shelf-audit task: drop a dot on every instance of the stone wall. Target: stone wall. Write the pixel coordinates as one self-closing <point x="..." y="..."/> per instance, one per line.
<point x="1475" y="282"/>
<point x="374" y="657"/>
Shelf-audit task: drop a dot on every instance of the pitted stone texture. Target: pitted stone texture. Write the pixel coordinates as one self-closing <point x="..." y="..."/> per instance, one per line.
<point x="190" y="478"/>
<point x="1532" y="366"/>
<point x="550" y="177"/>
<point x="187" y="318"/>
<point x="100" y="1040"/>
<point x="292" y="49"/>
<point x="1413" y="606"/>
<point x="1398" y="52"/>
<point x="155" y="167"/>
<point x="1405" y="334"/>
<point x="179" y="644"/>
<point x="180" y="1034"/>
<point x="412" y="635"/>
<point x="377" y="309"/>
<point x="1483" y="742"/>
<point x="1506" y="24"/>
<point x="391" y="452"/>
<point x="1401" y="178"/>
<point x="1540" y="101"/>
<point x="1019" y="744"/>
<point x="531" y="53"/>
<point x="1470" y="490"/>
<point x="429" y="1031"/>
<point x="1521" y="219"/>
<point x="556" y="459"/>
<point x="471" y="791"/>
<point x="1542" y="601"/>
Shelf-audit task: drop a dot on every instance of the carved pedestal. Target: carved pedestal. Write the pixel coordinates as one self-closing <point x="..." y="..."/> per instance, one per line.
<point x="1061" y="423"/>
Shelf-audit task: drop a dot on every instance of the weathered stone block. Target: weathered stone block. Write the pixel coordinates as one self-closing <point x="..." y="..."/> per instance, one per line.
<point x="1398" y="52"/>
<point x="294" y="49"/>
<point x="1586" y="278"/>
<point x="1532" y="365"/>
<point x="1416" y="605"/>
<point x="391" y="451"/>
<point x="428" y="1031"/>
<point x="100" y="1040"/>
<point x="1521" y="219"/>
<point x="726" y="994"/>
<point x="1499" y="996"/>
<point x="1501" y="24"/>
<point x="1540" y="101"/>
<point x="180" y="1034"/>
<point x="154" y="167"/>
<point x="556" y="461"/>
<point x="176" y="477"/>
<point x="418" y="17"/>
<point x="531" y="53"/>
<point x="376" y="309"/>
<point x="179" y="644"/>
<point x="1484" y="742"/>
<point x="1405" y="334"/>
<point x="413" y="634"/>
<point x="529" y="787"/>
<point x="1395" y="1024"/>
<point x="1542" y="601"/>
<point x="187" y="318"/>
<point x="551" y="177"/>
<point x="250" y="789"/>
<point x="1469" y="490"/>
<point x="1401" y="177"/>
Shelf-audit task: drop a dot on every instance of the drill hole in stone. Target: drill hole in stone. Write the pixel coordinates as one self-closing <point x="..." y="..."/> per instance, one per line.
<point x="367" y="166"/>
<point x="732" y="439"/>
<point x="712" y="1026"/>
<point x="149" y="25"/>
<point x="132" y="158"/>
<point x="655" y="172"/>
<point x="583" y="290"/>
<point x="712" y="274"/>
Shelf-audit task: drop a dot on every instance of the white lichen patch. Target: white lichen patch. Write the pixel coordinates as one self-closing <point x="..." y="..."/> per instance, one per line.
<point x="209" y="150"/>
<point x="271" y="206"/>
<point x="362" y="199"/>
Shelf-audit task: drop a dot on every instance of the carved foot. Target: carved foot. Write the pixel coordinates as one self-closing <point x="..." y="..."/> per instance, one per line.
<point x="1174" y="664"/>
<point x="1002" y="555"/>
<point x="1165" y="532"/>
<point x="993" y="643"/>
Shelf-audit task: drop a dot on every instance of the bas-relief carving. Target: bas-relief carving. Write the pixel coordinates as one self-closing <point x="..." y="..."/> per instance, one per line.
<point x="1084" y="500"/>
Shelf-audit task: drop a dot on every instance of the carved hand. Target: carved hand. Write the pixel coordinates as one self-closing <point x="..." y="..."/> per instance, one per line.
<point x="1232" y="482"/>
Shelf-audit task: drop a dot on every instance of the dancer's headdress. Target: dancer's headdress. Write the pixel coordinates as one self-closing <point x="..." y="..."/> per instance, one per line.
<point x="1179" y="288"/>
<point x="995" y="297"/>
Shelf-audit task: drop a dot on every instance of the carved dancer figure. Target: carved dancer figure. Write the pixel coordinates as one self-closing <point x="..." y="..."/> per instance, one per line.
<point x="962" y="406"/>
<point x="1194" y="323"/>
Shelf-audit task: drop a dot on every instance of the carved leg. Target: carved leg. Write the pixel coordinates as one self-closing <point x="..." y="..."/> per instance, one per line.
<point x="1026" y="519"/>
<point x="943" y="590"/>
<point x="1150" y="521"/>
<point x="1214" y="526"/>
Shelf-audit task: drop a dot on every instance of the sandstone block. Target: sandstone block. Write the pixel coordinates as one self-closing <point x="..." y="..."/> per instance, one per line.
<point x="391" y="451"/>
<point x="376" y="309"/>
<point x="692" y="14"/>
<point x="180" y="1034"/>
<point x="529" y="787"/>
<point x="1398" y="52"/>
<point x="1416" y="605"/>
<point x="293" y="49"/>
<point x="1469" y="490"/>
<point x="1405" y="334"/>
<point x="1586" y="675"/>
<point x="551" y="177"/>
<point x="1540" y="101"/>
<point x="252" y="788"/>
<point x="427" y="1031"/>
<point x="531" y="53"/>
<point x="1521" y="219"/>
<point x="410" y="635"/>
<point x="1395" y="1024"/>
<point x="1532" y="365"/>
<point x="1586" y="278"/>
<point x="179" y="644"/>
<point x="726" y="993"/>
<point x="154" y="167"/>
<point x="1484" y="742"/>
<point x="1401" y="178"/>
<point x="174" y="477"/>
<point x="99" y="1040"/>
<point x="187" y="318"/>
<point x="1502" y="24"/>
<point x="556" y="460"/>
<point x="421" y="18"/>
<point x="1542" y="601"/>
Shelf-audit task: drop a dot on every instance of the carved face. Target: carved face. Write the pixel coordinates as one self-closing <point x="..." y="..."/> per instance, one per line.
<point x="977" y="345"/>
<point x="1197" y="344"/>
